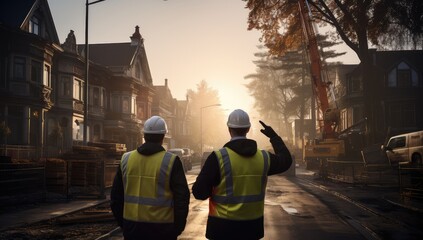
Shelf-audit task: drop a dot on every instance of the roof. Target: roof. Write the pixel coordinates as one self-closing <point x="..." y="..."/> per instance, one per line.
<point x="13" y="13"/>
<point x="16" y="14"/>
<point x="387" y="59"/>
<point x="111" y="54"/>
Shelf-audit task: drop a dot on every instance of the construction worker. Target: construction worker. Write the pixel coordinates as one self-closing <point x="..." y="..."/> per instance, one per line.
<point x="234" y="180"/>
<point x="150" y="194"/>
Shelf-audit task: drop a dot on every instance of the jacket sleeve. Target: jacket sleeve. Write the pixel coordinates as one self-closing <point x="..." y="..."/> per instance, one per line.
<point x="208" y="178"/>
<point x="282" y="159"/>
<point x="181" y="195"/>
<point x="117" y="197"/>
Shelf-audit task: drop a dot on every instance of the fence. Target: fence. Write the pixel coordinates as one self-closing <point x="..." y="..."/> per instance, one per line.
<point x="410" y="179"/>
<point x="21" y="183"/>
<point x="19" y="152"/>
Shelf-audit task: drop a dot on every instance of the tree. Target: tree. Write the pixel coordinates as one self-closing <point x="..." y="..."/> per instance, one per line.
<point x="212" y="118"/>
<point x="286" y="85"/>
<point x="358" y="23"/>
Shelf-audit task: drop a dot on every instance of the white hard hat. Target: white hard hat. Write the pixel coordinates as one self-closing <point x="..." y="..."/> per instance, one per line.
<point x="155" y="125"/>
<point x="238" y="119"/>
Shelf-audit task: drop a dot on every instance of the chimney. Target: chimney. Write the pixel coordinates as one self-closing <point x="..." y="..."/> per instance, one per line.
<point x="136" y="38"/>
<point x="165" y="82"/>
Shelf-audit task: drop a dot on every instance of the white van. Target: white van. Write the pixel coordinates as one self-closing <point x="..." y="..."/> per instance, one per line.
<point x="405" y="148"/>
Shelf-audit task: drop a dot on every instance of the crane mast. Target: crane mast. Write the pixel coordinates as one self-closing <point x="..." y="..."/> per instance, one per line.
<point x="319" y="86"/>
<point x="317" y="152"/>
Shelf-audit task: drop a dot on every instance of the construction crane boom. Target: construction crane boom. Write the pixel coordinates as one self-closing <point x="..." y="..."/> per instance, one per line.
<point x="319" y="86"/>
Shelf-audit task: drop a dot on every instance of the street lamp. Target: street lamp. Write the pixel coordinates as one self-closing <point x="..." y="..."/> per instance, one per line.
<point x="201" y="123"/>
<point x="87" y="66"/>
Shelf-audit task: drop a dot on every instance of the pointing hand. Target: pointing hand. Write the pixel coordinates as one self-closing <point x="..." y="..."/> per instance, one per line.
<point x="268" y="130"/>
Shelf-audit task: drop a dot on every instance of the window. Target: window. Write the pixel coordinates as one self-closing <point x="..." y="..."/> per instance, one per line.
<point x="19" y="69"/>
<point x="354" y="84"/>
<point x="36" y="71"/>
<point x="46" y="76"/>
<point x="125" y="105"/>
<point x="66" y="87"/>
<point x="104" y="100"/>
<point x="77" y="89"/>
<point x="96" y="97"/>
<point x="115" y="103"/>
<point x="133" y="106"/>
<point x="398" y="142"/>
<point x="403" y="76"/>
<point x="34" y="26"/>
<point x="138" y="71"/>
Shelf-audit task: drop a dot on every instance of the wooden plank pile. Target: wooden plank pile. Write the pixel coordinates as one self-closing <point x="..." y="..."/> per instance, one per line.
<point x="91" y="168"/>
<point x="56" y="175"/>
<point x="21" y="182"/>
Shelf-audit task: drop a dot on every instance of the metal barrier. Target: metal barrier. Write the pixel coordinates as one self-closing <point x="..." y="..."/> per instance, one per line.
<point x="19" y="151"/>
<point x="410" y="179"/>
<point x="346" y="171"/>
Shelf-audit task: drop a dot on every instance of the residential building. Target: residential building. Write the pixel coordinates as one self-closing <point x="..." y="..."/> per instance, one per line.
<point x="28" y="46"/>
<point x="42" y="86"/>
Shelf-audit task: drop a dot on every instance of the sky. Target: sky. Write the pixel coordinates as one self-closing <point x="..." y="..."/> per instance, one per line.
<point x="186" y="41"/>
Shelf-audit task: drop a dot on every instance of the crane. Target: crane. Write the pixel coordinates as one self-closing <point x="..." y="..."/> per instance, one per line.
<point x="329" y="146"/>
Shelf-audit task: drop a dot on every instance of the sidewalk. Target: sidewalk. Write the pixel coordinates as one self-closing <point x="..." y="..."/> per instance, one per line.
<point x="390" y="194"/>
<point x="30" y="213"/>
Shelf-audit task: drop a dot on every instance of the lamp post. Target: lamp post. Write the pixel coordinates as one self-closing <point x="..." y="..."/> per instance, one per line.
<point x="201" y="123"/>
<point x="87" y="66"/>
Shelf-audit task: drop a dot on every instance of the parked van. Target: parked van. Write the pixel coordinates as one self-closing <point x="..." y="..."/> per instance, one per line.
<point x="185" y="159"/>
<point x="405" y="148"/>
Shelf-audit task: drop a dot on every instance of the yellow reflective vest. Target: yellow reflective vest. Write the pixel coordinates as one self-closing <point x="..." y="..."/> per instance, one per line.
<point x="146" y="187"/>
<point x="241" y="191"/>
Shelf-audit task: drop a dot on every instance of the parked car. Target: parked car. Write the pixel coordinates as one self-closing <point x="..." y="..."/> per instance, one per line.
<point x="405" y="148"/>
<point x="185" y="159"/>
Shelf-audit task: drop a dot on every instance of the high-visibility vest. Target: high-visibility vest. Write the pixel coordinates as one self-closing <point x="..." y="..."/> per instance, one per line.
<point x="146" y="187"/>
<point x="241" y="191"/>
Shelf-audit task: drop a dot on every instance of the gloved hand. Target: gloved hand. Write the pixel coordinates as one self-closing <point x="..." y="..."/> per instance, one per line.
<point x="268" y="130"/>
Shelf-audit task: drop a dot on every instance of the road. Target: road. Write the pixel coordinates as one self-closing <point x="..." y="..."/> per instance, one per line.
<point x="296" y="208"/>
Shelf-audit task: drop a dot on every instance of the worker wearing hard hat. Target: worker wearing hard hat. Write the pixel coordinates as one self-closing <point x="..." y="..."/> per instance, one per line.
<point x="234" y="180"/>
<point x="150" y="194"/>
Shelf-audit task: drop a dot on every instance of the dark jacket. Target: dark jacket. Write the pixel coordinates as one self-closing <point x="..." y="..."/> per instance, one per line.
<point x="209" y="177"/>
<point x="181" y="195"/>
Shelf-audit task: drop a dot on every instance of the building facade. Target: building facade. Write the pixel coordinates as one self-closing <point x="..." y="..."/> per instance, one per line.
<point x="42" y="86"/>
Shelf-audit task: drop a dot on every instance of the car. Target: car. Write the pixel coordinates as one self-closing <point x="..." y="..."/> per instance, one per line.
<point x="405" y="148"/>
<point x="185" y="158"/>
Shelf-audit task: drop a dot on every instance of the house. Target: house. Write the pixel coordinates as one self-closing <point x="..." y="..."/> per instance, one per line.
<point x="165" y="105"/>
<point x="396" y="94"/>
<point x="42" y="86"/>
<point x="28" y="46"/>
<point x="128" y="95"/>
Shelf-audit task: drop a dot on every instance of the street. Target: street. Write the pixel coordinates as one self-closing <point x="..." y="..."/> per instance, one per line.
<point x="297" y="208"/>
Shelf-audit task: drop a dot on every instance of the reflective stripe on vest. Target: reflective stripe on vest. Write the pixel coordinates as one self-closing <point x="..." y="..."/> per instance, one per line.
<point x="241" y="191"/>
<point x="158" y="207"/>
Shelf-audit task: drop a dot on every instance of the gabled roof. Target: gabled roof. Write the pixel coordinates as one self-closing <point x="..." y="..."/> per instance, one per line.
<point x="388" y="59"/>
<point x="13" y="13"/>
<point x="110" y="54"/>
<point x="16" y="14"/>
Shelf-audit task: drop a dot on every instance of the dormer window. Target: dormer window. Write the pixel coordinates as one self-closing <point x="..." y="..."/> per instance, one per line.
<point x="403" y="76"/>
<point x="138" y="71"/>
<point x="34" y="25"/>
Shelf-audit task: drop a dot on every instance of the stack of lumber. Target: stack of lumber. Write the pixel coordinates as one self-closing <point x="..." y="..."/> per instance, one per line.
<point x="56" y="175"/>
<point x="21" y="181"/>
<point x="110" y="149"/>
